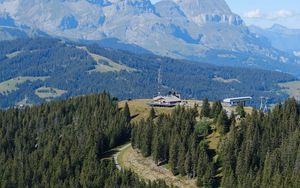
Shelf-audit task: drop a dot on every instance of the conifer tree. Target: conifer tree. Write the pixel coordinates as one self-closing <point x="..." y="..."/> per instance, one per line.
<point x="127" y="112"/>
<point x="181" y="159"/>
<point x="147" y="138"/>
<point x="222" y="123"/>
<point x="195" y="156"/>
<point x="203" y="160"/>
<point x="241" y="111"/>
<point x="134" y="136"/>
<point x="188" y="164"/>
<point x="205" y="111"/>
<point x="195" y="111"/>
<point x="216" y="109"/>
<point x="156" y="148"/>
<point x="152" y="114"/>
<point x="232" y="120"/>
<point x="229" y="179"/>
<point x="173" y="158"/>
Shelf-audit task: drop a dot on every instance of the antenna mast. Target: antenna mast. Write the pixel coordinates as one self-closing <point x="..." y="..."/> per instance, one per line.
<point x="264" y="104"/>
<point x="266" y="109"/>
<point x="159" y="80"/>
<point x="261" y="103"/>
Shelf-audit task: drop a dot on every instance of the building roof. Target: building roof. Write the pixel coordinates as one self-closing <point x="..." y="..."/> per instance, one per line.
<point x="237" y="99"/>
<point x="158" y="98"/>
<point x="167" y="99"/>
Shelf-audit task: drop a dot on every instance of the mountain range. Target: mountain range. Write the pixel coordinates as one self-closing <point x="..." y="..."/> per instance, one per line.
<point x="280" y="37"/>
<point x="198" y="30"/>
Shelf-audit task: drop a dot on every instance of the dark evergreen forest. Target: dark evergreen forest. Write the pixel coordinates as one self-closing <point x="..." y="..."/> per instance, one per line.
<point x="60" y="145"/>
<point x="264" y="151"/>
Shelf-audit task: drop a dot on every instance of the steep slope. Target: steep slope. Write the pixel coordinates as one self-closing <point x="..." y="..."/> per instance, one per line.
<point x="37" y="70"/>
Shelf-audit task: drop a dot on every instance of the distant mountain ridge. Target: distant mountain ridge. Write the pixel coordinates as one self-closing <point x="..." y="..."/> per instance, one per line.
<point x="280" y="37"/>
<point x="199" y="30"/>
<point x="205" y="11"/>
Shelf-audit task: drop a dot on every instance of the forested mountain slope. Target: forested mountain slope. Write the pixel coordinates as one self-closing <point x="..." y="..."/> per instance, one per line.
<point x="43" y="69"/>
<point x="61" y="145"/>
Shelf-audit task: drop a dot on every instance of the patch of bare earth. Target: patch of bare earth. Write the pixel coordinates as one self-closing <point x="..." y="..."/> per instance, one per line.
<point x="148" y="170"/>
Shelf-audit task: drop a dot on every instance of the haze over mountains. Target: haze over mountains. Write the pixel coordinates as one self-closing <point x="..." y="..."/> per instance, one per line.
<point x="281" y="37"/>
<point x="200" y="30"/>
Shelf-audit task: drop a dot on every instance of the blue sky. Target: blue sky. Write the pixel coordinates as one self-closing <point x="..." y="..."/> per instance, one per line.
<point x="265" y="13"/>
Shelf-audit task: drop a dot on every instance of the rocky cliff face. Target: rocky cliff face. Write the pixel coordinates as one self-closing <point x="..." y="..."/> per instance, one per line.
<point x="209" y="11"/>
<point x="183" y="22"/>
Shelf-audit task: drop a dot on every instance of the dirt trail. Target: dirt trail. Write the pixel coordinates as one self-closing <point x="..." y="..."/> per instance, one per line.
<point x="147" y="169"/>
<point x="116" y="155"/>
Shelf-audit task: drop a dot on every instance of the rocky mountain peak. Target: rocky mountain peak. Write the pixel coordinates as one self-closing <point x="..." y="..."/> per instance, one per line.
<point x="278" y="28"/>
<point x="209" y="11"/>
<point x="197" y="7"/>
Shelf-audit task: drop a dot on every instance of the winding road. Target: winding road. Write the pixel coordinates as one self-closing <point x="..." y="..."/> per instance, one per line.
<point x="115" y="156"/>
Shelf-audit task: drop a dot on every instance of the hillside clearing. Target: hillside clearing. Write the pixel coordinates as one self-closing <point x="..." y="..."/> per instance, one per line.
<point x="291" y="88"/>
<point x="226" y="81"/>
<point x="148" y="170"/>
<point x="139" y="109"/>
<point x="11" y="85"/>
<point x="49" y="92"/>
<point x="106" y="65"/>
<point x="13" y="54"/>
<point x="213" y="140"/>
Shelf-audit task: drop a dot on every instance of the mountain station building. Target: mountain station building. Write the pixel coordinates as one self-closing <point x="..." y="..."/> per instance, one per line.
<point x="237" y="101"/>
